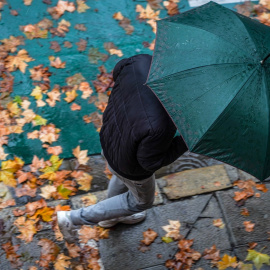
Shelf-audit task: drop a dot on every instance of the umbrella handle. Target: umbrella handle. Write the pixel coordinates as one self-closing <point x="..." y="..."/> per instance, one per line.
<point x="262" y="62"/>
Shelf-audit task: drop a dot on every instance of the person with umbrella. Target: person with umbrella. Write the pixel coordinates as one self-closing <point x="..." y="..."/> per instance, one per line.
<point x="137" y="138"/>
<point x="209" y="77"/>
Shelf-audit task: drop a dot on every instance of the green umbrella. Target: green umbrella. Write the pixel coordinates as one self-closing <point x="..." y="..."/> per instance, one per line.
<point x="210" y="71"/>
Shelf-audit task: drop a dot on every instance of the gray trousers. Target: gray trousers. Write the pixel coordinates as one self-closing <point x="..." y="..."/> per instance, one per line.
<point x="125" y="197"/>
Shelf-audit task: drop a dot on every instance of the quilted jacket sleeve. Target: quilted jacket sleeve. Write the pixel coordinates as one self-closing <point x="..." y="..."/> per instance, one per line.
<point x="154" y="152"/>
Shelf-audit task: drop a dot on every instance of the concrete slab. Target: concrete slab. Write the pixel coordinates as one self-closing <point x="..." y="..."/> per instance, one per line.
<point x="120" y="251"/>
<point x="259" y="214"/>
<point x="102" y="195"/>
<point x="197" y="181"/>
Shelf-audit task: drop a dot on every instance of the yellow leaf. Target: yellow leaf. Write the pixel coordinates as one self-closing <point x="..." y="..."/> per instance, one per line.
<point x="82" y="7"/>
<point x="227" y="261"/>
<point x="85" y="181"/>
<point x="13" y="108"/>
<point x="37" y="92"/>
<point x="45" y="213"/>
<point x="71" y="95"/>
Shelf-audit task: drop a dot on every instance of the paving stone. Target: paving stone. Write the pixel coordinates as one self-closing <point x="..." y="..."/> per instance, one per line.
<point x="197" y="181"/>
<point x="241" y="253"/>
<point x="245" y="176"/>
<point x="259" y="214"/>
<point x="205" y="234"/>
<point x="102" y="195"/>
<point x="120" y="251"/>
<point x="232" y="172"/>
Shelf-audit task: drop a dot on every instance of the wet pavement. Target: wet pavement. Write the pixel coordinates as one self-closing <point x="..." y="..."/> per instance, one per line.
<point x="196" y="212"/>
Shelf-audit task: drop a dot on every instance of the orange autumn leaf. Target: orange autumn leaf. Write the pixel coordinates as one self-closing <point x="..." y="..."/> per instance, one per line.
<point x="49" y="252"/>
<point x="26" y="190"/>
<point x="62" y="262"/>
<point x="212" y="254"/>
<point x="244" y="212"/>
<point x="55" y="150"/>
<point x="33" y="135"/>
<point x="73" y="250"/>
<point x="249" y="227"/>
<point x="227" y="261"/>
<point x="87" y="233"/>
<point x="31" y="207"/>
<point x="70" y="96"/>
<point x="27" y="228"/>
<point x="149" y="237"/>
<point x="18" y="61"/>
<point x="45" y="213"/>
<point x="75" y="107"/>
<point x="7" y="203"/>
<point x="37" y="164"/>
<point x="261" y="187"/>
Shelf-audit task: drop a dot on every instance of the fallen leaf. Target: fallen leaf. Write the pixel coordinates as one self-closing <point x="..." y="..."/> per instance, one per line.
<point x="85" y="181"/>
<point x="149" y="237"/>
<point x="82" y="7"/>
<point x="54" y="150"/>
<point x="47" y="191"/>
<point x="75" y="107"/>
<point x="70" y="96"/>
<point x="73" y="250"/>
<point x="249" y="227"/>
<point x="227" y="261"/>
<point x="244" y="212"/>
<point x="27" y="228"/>
<point x="56" y="62"/>
<point x="173" y="229"/>
<point x="18" y="61"/>
<point x="89" y="199"/>
<point x="62" y="262"/>
<point x="258" y="258"/>
<point x="218" y="223"/>
<point x="80" y="155"/>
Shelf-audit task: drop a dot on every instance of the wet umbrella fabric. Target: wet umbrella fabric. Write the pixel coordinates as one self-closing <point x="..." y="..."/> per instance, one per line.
<point x="210" y="70"/>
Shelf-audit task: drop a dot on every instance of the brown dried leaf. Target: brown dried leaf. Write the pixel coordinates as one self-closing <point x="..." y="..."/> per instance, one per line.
<point x="149" y="237"/>
<point x="55" y="46"/>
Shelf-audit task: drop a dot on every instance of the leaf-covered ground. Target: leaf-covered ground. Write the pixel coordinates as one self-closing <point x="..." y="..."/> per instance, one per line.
<point x="56" y="62"/>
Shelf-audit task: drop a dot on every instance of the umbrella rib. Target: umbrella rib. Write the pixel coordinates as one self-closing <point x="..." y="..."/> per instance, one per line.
<point x="249" y="36"/>
<point x="224" y="110"/>
<point x="212" y="34"/>
<point x="193" y="69"/>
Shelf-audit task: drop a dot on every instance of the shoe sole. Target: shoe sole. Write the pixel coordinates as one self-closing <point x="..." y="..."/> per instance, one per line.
<point x="125" y="222"/>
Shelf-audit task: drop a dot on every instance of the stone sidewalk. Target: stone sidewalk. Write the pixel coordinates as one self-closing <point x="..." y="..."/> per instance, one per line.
<point x="196" y="214"/>
<point x="195" y="197"/>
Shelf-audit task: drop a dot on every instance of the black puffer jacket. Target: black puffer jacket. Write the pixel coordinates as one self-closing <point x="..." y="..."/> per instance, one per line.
<point x="137" y="136"/>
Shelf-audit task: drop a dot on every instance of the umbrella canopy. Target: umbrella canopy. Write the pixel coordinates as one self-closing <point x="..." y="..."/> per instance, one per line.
<point x="210" y="71"/>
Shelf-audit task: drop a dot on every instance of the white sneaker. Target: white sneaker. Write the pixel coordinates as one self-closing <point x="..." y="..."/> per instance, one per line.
<point x="135" y="218"/>
<point x="67" y="228"/>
